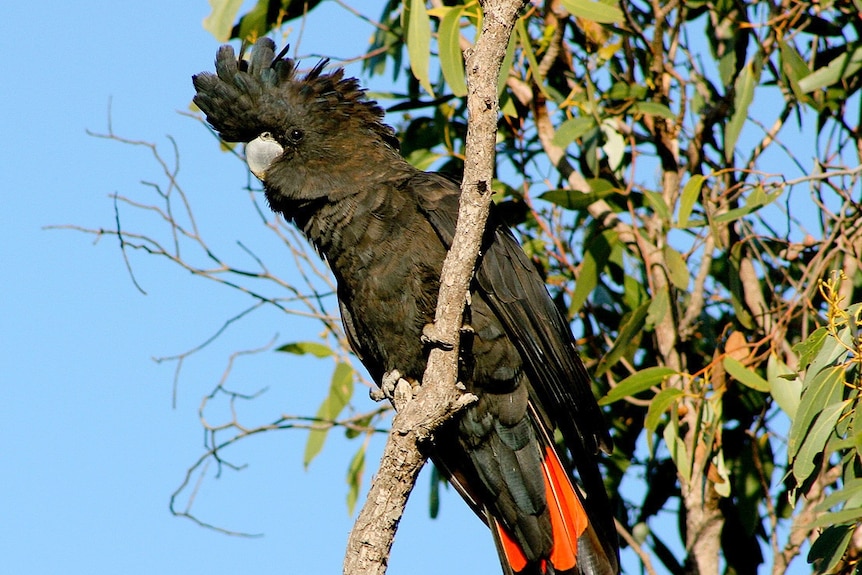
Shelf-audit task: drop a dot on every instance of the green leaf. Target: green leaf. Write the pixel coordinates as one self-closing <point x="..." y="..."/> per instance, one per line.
<point x="795" y="68"/>
<point x="850" y="493"/>
<point x="785" y="390"/>
<point x="814" y="443"/>
<point x="658" y="307"/>
<point x="828" y="549"/>
<point x="676" y="267"/>
<point x="744" y="375"/>
<point x="653" y="109"/>
<point x="756" y="200"/>
<point x="507" y="63"/>
<point x="676" y="446"/>
<point x="220" y="21"/>
<point x="306" y="347"/>
<point x="595" y="11"/>
<point x="636" y="383"/>
<point x="595" y="258"/>
<point x="732" y="215"/>
<point x="575" y="200"/>
<point x="658" y="205"/>
<point x="833" y="351"/>
<point x="844" y="66"/>
<point x="419" y="42"/>
<point x="808" y="348"/>
<point x="254" y="23"/>
<point x="614" y="146"/>
<point x="572" y="129"/>
<point x="744" y="85"/>
<point x="590" y="150"/>
<point x="434" y="495"/>
<point x="359" y="427"/>
<point x="340" y="391"/>
<point x="722" y="487"/>
<point x="632" y="325"/>
<point x="354" y="477"/>
<point x="659" y="405"/>
<point x="793" y="65"/>
<point x="527" y="47"/>
<point x="690" y="195"/>
<point x="451" y="57"/>
<point x="820" y="390"/>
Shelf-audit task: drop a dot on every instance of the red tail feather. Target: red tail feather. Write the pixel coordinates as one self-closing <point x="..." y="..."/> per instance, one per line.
<point x="568" y="520"/>
<point x="512" y="550"/>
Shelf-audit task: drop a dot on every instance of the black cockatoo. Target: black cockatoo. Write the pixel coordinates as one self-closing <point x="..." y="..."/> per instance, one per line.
<point x="331" y="167"/>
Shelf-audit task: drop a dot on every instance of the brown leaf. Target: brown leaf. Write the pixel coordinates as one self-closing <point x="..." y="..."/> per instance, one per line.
<point x="737" y="347"/>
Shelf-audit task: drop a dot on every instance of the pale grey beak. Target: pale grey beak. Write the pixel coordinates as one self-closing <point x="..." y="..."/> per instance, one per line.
<point x="260" y="153"/>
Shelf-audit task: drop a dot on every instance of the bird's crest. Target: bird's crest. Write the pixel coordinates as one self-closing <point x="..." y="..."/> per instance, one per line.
<point x="247" y="97"/>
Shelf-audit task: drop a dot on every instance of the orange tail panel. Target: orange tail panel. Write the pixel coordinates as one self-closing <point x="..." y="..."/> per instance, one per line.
<point x="568" y="519"/>
<point x="514" y="555"/>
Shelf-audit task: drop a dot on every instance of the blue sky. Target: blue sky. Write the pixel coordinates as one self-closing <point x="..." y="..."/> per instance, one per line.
<point x="91" y="445"/>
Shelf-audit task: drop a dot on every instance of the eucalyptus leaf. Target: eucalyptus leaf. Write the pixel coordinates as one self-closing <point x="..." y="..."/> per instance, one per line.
<point x="307" y="347"/>
<point x="845" y="65"/>
<point x="815" y="440"/>
<point x="595" y="11"/>
<point x="828" y="549"/>
<point x="653" y="109"/>
<point x="744" y="375"/>
<point x="340" y="391"/>
<point x="690" y="195"/>
<point x="419" y="43"/>
<point x="595" y="258"/>
<point x="632" y="324"/>
<point x="676" y="267"/>
<point x="451" y="58"/>
<point x="220" y="21"/>
<point x="636" y="383"/>
<point x="354" y="477"/>
<point x="786" y="391"/>
<point x="744" y="94"/>
<point x="572" y="129"/>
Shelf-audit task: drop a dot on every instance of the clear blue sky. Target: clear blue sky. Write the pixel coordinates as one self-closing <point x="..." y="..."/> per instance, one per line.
<point x="90" y="446"/>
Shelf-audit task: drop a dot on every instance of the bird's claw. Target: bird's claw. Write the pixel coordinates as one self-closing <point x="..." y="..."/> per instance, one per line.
<point x="395" y="388"/>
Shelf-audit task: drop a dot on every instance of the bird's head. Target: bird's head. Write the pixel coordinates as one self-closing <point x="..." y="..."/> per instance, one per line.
<point x="296" y="127"/>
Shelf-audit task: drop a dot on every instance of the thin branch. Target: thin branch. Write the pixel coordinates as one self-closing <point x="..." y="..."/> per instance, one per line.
<point x="636" y="547"/>
<point x="439" y="398"/>
<point x="123" y="247"/>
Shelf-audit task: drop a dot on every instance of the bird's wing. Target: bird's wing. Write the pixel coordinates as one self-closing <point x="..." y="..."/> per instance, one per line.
<point x="516" y="292"/>
<point x="560" y="387"/>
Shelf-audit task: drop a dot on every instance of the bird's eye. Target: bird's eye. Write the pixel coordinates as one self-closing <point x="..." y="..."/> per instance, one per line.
<point x="295" y="135"/>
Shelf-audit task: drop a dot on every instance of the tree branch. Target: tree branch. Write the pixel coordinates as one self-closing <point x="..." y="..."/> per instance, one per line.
<point x="438" y="398"/>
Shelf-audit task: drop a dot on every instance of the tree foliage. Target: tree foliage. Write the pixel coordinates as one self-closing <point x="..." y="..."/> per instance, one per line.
<point x="686" y="175"/>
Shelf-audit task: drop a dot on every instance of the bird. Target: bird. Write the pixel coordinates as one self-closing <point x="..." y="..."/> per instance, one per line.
<point x="331" y="166"/>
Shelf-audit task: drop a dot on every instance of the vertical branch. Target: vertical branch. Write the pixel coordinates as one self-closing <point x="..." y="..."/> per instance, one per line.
<point x="438" y="398"/>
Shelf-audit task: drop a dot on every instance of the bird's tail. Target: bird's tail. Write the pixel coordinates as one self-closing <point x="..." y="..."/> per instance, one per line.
<point x="576" y="545"/>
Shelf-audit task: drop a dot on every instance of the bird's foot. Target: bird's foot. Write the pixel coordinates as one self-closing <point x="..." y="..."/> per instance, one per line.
<point x="396" y="389"/>
<point x="431" y="337"/>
